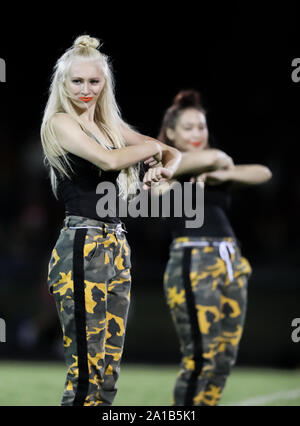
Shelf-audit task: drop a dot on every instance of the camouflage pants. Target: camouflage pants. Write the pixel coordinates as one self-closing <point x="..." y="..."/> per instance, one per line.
<point x="205" y="284"/>
<point x="89" y="277"/>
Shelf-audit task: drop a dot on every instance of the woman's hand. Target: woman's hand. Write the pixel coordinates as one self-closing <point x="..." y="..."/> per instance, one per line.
<point x="156" y="175"/>
<point x="151" y="162"/>
<point x="223" y="161"/>
<point x="157" y="157"/>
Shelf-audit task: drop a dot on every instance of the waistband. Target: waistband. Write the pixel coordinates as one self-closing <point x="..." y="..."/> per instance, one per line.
<point x="203" y="241"/>
<point x="225" y="246"/>
<point x="80" y="222"/>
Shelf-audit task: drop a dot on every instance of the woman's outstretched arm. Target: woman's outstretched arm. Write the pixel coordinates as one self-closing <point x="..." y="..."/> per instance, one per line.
<point x="73" y="139"/>
<point x="202" y="161"/>
<point x="248" y="174"/>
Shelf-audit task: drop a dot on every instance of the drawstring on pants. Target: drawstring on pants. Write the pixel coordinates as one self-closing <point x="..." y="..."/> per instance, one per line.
<point x="224" y="246"/>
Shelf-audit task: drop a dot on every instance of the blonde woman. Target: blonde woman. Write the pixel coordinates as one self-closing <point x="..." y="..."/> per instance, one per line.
<point x="86" y="142"/>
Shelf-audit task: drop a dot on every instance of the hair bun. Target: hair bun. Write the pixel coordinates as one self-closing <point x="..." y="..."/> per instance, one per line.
<point x="187" y="98"/>
<point x="86" y="41"/>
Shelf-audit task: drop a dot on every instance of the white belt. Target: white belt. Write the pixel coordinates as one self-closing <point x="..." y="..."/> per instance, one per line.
<point x="117" y="230"/>
<point x="224" y="247"/>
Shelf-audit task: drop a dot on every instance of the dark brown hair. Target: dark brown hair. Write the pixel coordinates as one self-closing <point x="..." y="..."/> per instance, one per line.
<point x="183" y="100"/>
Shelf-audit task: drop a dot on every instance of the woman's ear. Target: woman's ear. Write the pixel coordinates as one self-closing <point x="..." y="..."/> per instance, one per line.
<point x="170" y="134"/>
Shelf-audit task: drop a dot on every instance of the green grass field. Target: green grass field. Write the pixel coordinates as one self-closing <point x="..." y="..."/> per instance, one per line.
<point x="36" y="383"/>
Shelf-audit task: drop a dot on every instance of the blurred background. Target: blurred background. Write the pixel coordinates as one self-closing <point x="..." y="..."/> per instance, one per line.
<point x="239" y="57"/>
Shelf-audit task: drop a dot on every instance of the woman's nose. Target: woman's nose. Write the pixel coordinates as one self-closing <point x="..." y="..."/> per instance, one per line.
<point x="85" y="88"/>
<point x="197" y="134"/>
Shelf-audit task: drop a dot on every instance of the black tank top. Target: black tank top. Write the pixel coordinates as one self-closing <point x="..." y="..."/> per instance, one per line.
<point x="217" y="201"/>
<point x="78" y="194"/>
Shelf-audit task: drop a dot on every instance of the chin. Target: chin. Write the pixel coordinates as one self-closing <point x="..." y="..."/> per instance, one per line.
<point x="193" y="148"/>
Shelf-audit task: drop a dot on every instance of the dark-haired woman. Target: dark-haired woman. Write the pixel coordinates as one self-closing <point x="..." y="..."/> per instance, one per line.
<point x="206" y="276"/>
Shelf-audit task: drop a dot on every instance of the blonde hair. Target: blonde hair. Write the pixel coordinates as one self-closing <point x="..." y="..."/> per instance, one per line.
<point x="107" y="115"/>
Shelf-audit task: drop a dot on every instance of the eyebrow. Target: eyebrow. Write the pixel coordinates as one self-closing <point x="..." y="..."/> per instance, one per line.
<point x="189" y="123"/>
<point x="81" y="78"/>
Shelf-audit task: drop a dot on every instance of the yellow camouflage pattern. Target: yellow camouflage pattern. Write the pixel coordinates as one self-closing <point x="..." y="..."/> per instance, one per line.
<point x="216" y="306"/>
<point x="107" y="280"/>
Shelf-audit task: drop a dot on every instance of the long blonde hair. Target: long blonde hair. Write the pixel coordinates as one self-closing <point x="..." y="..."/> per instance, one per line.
<point x="107" y="115"/>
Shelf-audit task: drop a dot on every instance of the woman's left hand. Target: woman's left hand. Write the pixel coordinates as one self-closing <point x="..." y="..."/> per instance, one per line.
<point x="156" y="175"/>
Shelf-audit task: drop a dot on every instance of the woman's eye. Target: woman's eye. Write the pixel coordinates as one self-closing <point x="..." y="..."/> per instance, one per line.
<point x="77" y="81"/>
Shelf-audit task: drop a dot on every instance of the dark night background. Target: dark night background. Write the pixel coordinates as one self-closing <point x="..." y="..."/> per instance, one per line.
<point x="239" y="57"/>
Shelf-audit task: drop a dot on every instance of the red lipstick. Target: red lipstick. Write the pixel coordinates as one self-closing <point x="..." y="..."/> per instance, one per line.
<point x="197" y="143"/>
<point x="86" y="98"/>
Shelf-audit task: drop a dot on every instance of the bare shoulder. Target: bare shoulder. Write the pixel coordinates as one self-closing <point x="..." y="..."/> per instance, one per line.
<point x="68" y="133"/>
<point x="62" y="119"/>
<point x="66" y="128"/>
<point x="73" y="139"/>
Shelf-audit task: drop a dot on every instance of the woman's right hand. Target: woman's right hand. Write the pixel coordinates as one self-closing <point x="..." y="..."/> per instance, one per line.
<point x="155" y="175"/>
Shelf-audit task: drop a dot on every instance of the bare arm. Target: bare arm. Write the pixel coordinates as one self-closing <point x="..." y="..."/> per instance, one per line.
<point x="248" y="174"/>
<point x="72" y="139"/>
<point x="202" y="161"/>
<point x="170" y="156"/>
